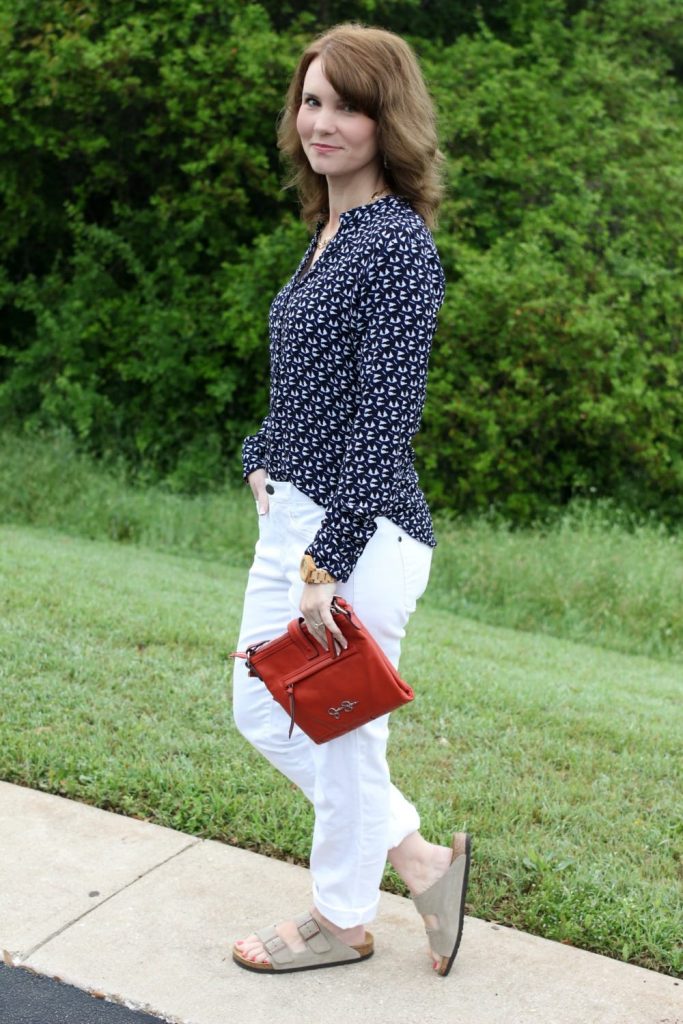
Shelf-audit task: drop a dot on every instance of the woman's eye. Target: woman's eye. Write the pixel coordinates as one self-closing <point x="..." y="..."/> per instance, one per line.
<point x="349" y="108"/>
<point x="310" y="102"/>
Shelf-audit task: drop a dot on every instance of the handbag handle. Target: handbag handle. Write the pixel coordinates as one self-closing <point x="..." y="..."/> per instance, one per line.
<point x="307" y="643"/>
<point x="303" y="639"/>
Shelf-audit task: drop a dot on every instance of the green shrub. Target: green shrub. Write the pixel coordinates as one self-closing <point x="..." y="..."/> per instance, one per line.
<point x="558" y="368"/>
<point x="138" y="160"/>
<point x="143" y="232"/>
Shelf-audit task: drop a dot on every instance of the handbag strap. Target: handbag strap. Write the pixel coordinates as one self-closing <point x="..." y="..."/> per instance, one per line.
<point x="342" y="607"/>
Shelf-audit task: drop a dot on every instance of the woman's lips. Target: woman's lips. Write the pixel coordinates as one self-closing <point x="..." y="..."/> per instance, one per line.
<point x="322" y="148"/>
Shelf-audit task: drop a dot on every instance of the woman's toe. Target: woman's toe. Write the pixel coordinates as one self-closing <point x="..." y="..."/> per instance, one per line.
<point x="252" y="949"/>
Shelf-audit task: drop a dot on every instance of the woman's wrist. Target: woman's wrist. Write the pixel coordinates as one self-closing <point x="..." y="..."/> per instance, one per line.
<point x="310" y="573"/>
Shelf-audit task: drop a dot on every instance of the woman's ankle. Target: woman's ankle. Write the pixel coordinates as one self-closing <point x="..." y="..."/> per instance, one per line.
<point x="411" y="859"/>
<point x="418" y="862"/>
<point x="353" y="936"/>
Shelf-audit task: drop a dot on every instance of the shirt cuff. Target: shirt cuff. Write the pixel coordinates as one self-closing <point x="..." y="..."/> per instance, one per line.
<point x="340" y="542"/>
<point x="252" y="456"/>
<point x="248" y="468"/>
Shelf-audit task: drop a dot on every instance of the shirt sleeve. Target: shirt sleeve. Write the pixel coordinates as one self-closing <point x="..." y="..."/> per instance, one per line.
<point x="254" y="450"/>
<point x="400" y="295"/>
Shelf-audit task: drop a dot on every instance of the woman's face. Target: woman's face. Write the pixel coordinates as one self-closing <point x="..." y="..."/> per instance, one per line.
<point x="338" y="140"/>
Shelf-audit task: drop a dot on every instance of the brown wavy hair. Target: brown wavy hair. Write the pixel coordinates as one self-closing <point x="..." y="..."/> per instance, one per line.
<point x="379" y="74"/>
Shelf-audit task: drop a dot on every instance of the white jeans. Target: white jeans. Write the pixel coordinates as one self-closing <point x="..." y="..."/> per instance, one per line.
<point x="359" y="814"/>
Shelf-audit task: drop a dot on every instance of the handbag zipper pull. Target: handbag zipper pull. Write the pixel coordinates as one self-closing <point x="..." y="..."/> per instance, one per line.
<point x="290" y="691"/>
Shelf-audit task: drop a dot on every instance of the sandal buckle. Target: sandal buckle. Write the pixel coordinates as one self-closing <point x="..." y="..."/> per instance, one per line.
<point x="274" y="945"/>
<point x="309" y="929"/>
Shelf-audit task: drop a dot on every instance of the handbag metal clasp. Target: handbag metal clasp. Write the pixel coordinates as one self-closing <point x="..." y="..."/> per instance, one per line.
<point x="346" y="705"/>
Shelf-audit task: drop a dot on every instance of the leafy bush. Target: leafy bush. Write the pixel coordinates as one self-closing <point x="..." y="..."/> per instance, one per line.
<point x="138" y="160"/>
<point x="558" y="368"/>
<point x="144" y="231"/>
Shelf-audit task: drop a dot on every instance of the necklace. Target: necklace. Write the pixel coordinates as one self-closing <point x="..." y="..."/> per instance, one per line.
<point x="324" y="242"/>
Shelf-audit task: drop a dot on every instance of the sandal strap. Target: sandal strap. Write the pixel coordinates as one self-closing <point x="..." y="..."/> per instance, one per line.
<point x="443" y="899"/>
<point x="321" y="946"/>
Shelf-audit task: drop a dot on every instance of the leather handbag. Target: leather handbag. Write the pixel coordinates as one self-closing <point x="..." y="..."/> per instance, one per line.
<point x="328" y="692"/>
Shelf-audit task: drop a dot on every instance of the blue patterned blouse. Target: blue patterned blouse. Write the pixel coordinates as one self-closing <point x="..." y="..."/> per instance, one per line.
<point x="349" y="348"/>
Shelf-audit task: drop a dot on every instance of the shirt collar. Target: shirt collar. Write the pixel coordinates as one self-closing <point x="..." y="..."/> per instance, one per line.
<point x="358" y="214"/>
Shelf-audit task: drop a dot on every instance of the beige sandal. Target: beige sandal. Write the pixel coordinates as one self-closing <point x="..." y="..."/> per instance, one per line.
<point x="446" y="899"/>
<point x="323" y="949"/>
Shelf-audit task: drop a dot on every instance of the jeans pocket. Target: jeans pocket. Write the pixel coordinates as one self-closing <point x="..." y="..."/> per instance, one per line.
<point x="305" y="520"/>
<point x="264" y="527"/>
<point x="416" y="560"/>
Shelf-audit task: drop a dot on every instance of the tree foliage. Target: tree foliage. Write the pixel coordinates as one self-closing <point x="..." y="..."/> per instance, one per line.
<point x="144" y="230"/>
<point x="558" y="367"/>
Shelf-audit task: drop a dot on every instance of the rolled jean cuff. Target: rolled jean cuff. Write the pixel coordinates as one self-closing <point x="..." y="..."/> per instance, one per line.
<point x="403" y="819"/>
<point x="397" y="836"/>
<point x="345" y="917"/>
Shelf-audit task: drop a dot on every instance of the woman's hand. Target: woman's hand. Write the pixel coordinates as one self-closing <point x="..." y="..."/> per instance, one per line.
<point x="315" y="608"/>
<point x="257" y="482"/>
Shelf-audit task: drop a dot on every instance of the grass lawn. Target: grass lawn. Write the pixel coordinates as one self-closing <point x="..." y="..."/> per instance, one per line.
<point x="562" y="759"/>
<point x="590" y="573"/>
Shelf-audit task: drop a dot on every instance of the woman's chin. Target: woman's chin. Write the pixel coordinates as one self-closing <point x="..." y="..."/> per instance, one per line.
<point x="321" y="164"/>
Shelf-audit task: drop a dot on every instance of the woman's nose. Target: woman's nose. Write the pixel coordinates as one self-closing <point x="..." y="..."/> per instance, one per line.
<point x="324" y="121"/>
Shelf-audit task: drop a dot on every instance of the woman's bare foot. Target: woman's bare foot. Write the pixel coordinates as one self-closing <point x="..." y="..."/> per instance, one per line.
<point x="252" y="949"/>
<point x="420" y="864"/>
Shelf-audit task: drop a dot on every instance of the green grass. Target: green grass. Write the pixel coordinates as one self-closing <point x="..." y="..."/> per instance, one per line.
<point x="588" y="576"/>
<point x="46" y="482"/>
<point x="562" y="759"/>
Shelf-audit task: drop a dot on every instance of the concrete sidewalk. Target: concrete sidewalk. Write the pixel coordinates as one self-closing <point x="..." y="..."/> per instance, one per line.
<point x="145" y="916"/>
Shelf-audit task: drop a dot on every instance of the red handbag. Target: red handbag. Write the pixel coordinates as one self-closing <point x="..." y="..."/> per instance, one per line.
<point x="325" y="692"/>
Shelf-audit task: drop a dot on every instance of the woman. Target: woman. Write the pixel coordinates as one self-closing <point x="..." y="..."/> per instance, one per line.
<point x="331" y="470"/>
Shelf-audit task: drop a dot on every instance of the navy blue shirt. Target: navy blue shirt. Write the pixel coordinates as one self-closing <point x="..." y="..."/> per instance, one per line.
<point x="349" y="348"/>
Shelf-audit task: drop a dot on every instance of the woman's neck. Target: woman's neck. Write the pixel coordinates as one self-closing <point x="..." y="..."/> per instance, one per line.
<point x="347" y="195"/>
